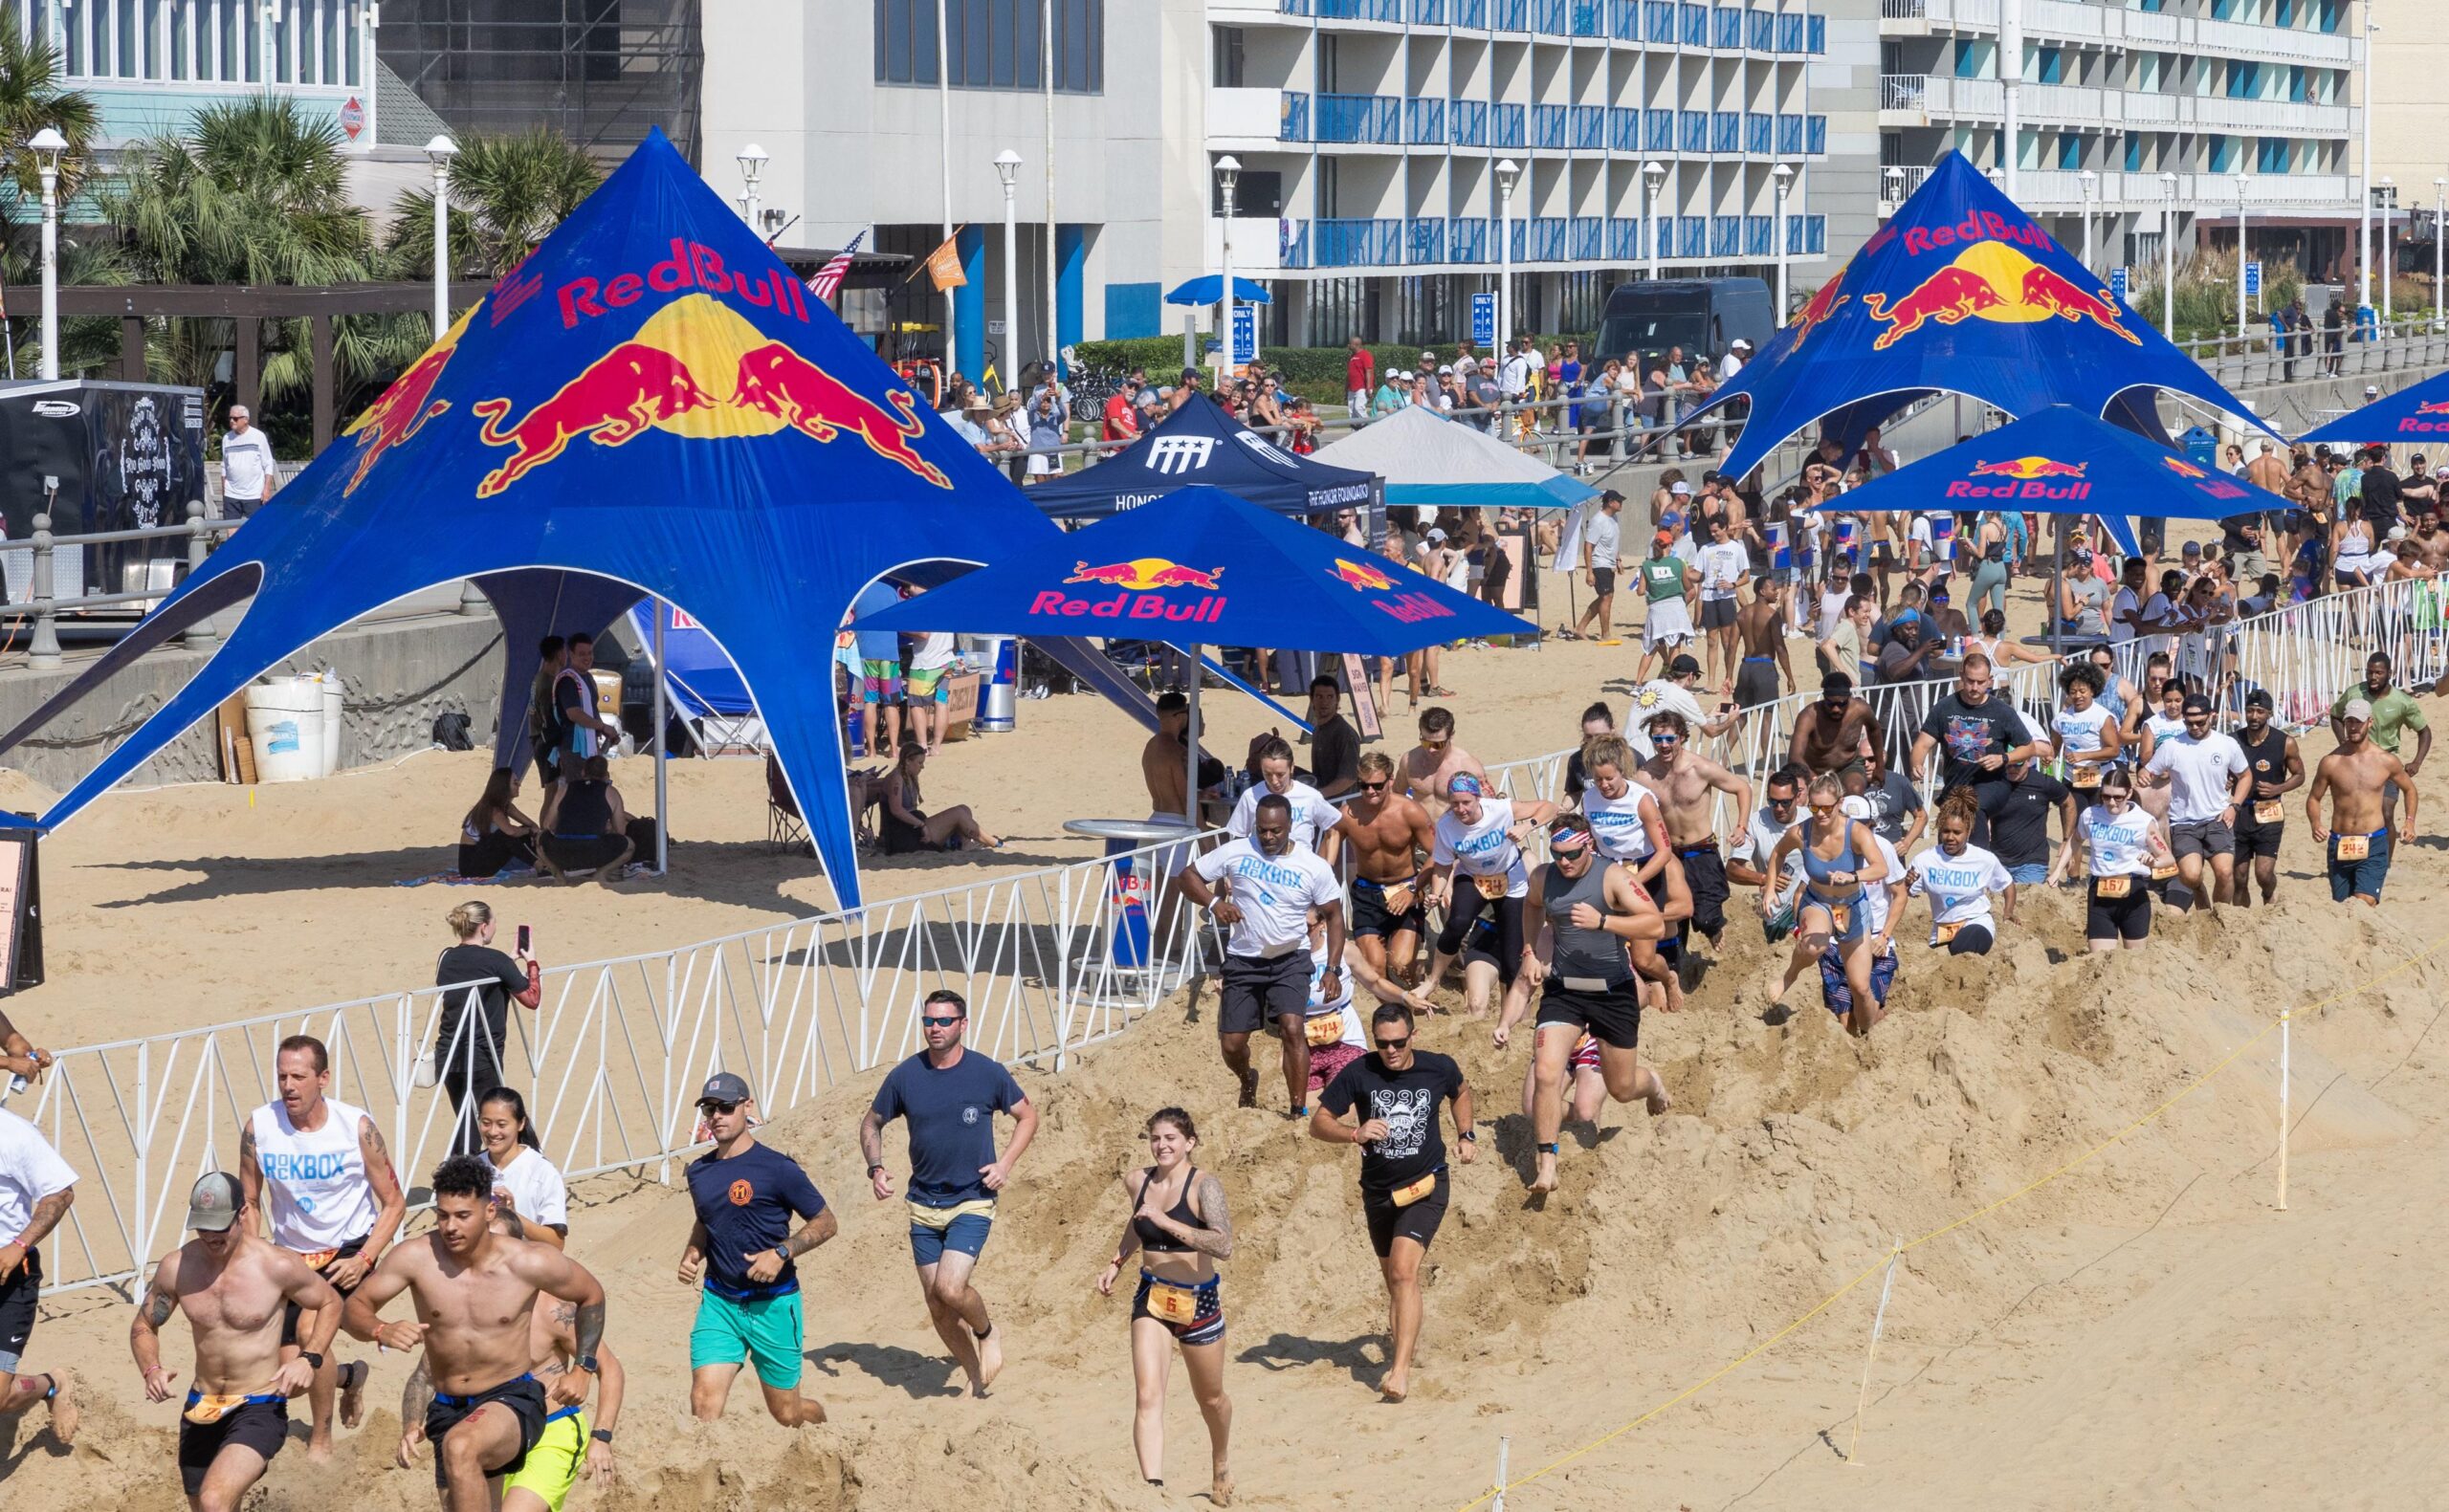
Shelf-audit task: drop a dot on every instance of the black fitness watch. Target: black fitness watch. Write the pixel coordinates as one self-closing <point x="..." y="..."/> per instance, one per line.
<point x="586" y="1363"/>
<point x="314" y="1361"/>
<point x="1468" y="1136"/>
<point x="602" y="1436"/>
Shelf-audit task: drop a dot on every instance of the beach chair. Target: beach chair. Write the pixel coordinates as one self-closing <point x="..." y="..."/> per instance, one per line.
<point x="784" y="830"/>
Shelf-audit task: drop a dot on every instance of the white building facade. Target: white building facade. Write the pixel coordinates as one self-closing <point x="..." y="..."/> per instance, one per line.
<point x="2141" y="113"/>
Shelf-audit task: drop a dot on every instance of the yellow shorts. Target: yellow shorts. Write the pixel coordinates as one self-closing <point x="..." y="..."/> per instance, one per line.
<point x="554" y="1465"/>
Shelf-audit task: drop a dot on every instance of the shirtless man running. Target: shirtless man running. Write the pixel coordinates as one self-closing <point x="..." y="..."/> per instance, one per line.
<point x="233" y="1287"/>
<point x="1683" y="779"/>
<point x="475" y="1294"/>
<point x="1386" y="835"/>
<point x="1831" y="734"/>
<point x="1430" y="767"/>
<point x="1760" y="626"/>
<point x="2358" y="835"/>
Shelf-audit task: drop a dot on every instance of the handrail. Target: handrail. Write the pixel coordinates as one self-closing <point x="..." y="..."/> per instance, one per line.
<point x="44" y="606"/>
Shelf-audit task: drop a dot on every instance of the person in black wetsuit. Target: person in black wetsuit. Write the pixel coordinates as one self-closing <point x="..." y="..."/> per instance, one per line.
<point x="585" y="827"/>
<point x="1181" y="1226"/>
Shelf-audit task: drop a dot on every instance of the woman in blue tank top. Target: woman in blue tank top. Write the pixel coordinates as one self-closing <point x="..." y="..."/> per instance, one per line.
<point x="1840" y="860"/>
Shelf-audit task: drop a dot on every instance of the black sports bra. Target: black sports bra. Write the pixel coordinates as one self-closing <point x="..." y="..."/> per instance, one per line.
<point x="1152" y="1237"/>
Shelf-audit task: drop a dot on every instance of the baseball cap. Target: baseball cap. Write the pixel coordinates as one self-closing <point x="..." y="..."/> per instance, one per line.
<point x="2258" y="698"/>
<point x="1856" y="806"/>
<point x="1739" y="344"/>
<point x="2195" y="704"/>
<point x="1682" y="666"/>
<point x="1445" y="369"/>
<point x="1664" y="538"/>
<point x="2192" y="548"/>
<point x="2357" y="708"/>
<point x="1679" y="487"/>
<point x="214" y="1202"/>
<point x="1435" y="534"/>
<point x="1611" y="493"/>
<point x="724" y="1086"/>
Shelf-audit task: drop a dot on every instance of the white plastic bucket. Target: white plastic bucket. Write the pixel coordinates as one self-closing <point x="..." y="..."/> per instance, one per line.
<point x="333" y="708"/>
<point x="285" y="726"/>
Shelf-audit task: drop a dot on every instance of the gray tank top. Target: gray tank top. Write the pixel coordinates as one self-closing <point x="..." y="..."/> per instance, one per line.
<point x="1582" y="956"/>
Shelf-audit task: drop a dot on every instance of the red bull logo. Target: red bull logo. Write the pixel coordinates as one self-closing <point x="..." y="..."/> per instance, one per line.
<point x="1824" y="304"/>
<point x="651" y="383"/>
<point x="692" y="264"/>
<point x="402" y="411"/>
<point x="2024" y="478"/>
<point x="1145" y="581"/>
<point x="2183" y="469"/>
<point x="1360" y="576"/>
<point x="1991" y="280"/>
<point x="2432" y="408"/>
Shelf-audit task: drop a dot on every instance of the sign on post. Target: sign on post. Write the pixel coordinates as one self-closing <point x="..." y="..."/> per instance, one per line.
<point x="1484" y="320"/>
<point x="2118" y="285"/>
<point x="2253" y="280"/>
<point x="1245" y="334"/>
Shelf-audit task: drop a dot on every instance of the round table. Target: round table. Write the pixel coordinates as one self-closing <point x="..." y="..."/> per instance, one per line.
<point x="1130" y="889"/>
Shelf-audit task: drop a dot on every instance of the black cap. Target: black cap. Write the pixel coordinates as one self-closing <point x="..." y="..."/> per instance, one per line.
<point x="2196" y="704"/>
<point x="1709" y="478"/>
<point x="2258" y="698"/>
<point x="1682" y="666"/>
<point x="724" y="1086"/>
<point x="1611" y="493"/>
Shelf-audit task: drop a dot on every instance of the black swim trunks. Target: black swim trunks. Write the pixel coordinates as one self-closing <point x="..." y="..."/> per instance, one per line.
<point x="1612" y="1013"/>
<point x="19" y="1297"/>
<point x="1369" y="914"/>
<point x="1704" y="873"/>
<point x="1260" y="988"/>
<point x="261" y="1423"/>
<point x="1417" y="1221"/>
<point x="1755" y="682"/>
<point x="524" y="1397"/>
<point x="291" y="1311"/>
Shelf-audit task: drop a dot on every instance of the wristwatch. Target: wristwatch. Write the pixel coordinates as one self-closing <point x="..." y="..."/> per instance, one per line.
<point x="314" y="1361"/>
<point x="586" y="1363"/>
<point x="872" y="1170"/>
<point x="602" y="1436"/>
<point x="1468" y="1136"/>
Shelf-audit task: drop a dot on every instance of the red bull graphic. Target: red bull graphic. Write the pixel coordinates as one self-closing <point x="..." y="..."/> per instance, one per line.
<point x="1360" y="576"/>
<point x="809" y="400"/>
<point x="402" y="411"/>
<point x="1412" y="607"/>
<point x="2419" y="423"/>
<point x="692" y="264"/>
<point x="652" y="381"/>
<point x="1991" y="281"/>
<point x="2183" y="469"/>
<point x="2024" y="478"/>
<point x="1824" y="304"/>
<point x="2432" y="408"/>
<point x="1145" y="581"/>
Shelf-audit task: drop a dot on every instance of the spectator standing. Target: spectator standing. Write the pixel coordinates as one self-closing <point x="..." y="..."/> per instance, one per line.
<point x="578" y="729"/>
<point x="1601" y="539"/>
<point x="932" y="656"/>
<point x="1359" y="378"/>
<point x="1121" y="419"/>
<point x="552" y="654"/>
<point x="249" y="474"/>
<point x="468" y="1071"/>
<point x="1045" y="435"/>
<point x="1335" y="745"/>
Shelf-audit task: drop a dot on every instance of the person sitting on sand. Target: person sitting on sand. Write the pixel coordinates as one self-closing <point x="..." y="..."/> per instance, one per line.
<point x="907" y="827"/>
<point x="494" y="833"/>
<point x="585" y="827"/>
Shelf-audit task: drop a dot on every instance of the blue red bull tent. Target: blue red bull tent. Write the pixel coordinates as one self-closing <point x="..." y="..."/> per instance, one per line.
<point x="1202" y="445"/>
<point x="1960" y="293"/>
<point x="2416" y="415"/>
<point x="1209" y="567"/>
<point x="649" y="406"/>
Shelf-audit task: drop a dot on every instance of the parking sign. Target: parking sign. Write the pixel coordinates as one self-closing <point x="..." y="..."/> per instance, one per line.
<point x="1484" y="318"/>
<point x="1245" y="334"/>
<point x="2117" y="284"/>
<point x="2253" y="280"/>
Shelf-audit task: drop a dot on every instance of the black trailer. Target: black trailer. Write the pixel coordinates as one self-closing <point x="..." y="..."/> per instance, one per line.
<point x="100" y="457"/>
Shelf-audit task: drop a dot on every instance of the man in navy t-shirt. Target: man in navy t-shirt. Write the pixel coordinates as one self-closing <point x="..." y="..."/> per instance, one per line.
<point x="951" y="1096"/>
<point x="746" y="1196"/>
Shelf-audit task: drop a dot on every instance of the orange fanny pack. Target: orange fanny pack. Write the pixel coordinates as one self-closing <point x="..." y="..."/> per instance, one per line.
<point x="1406" y="1196"/>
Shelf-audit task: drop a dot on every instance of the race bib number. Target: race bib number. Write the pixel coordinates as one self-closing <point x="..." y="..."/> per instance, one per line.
<point x="1841" y="917"/>
<point x="1490" y="887"/>
<point x="318" y="1259"/>
<point x="2115" y="887"/>
<point x="2164" y="874"/>
<point x="1175" y="1305"/>
<point x="1326" y="1029"/>
<point x="2354" y="847"/>
<point x="2266" y="811"/>
<point x="1945" y="933"/>
<point x="1406" y="1196"/>
<point x="2086" y="775"/>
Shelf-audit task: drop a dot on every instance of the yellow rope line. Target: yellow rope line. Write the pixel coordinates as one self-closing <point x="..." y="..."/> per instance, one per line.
<point x="2020" y="1193"/>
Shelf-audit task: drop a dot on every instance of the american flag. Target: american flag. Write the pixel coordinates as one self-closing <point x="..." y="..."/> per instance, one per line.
<point x="828" y="281"/>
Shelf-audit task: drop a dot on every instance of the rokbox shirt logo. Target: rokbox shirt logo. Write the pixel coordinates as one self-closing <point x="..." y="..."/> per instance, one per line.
<point x="697" y="369"/>
<point x="1148" y="583"/>
<point x="1989" y="280"/>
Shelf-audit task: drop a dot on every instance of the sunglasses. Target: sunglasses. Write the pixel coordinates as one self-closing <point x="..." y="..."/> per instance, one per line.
<point x="1775" y="801"/>
<point x="1375" y="787"/>
<point x="715" y="1107"/>
<point x="941" y="1023"/>
<point x="1394" y="1044"/>
<point x="1664" y="737"/>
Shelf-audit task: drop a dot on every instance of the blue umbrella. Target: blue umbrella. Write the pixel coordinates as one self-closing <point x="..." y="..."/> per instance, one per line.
<point x="1201" y="565"/>
<point x="2063" y="461"/>
<point x="1209" y="289"/>
<point x="2417" y="413"/>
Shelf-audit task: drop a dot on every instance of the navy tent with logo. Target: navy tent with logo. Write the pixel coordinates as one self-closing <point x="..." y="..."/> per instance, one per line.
<point x="1201" y="444"/>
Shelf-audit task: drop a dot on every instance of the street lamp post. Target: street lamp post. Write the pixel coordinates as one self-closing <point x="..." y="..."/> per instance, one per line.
<point x="1894" y="177"/>
<point x="2010" y="79"/>
<point x="47" y="144"/>
<point x="2364" y="182"/>
<point x="1654" y="173"/>
<point x="1008" y="167"/>
<point x="1785" y="177"/>
<point x="2169" y="254"/>
<point x="2388" y="253"/>
<point x="1507" y="170"/>
<point x="439" y="152"/>
<point x="2440" y="205"/>
<point x="1228" y="172"/>
<point x="2091" y="183"/>
<point x="2242" y="182"/>
<point x="752" y="163"/>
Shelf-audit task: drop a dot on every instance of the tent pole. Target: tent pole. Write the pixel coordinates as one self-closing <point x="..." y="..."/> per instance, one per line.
<point x="1190" y="740"/>
<point x="2057" y="588"/>
<point x="662" y="796"/>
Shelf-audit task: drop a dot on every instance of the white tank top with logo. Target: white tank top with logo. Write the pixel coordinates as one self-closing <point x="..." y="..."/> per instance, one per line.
<point x="315" y="1185"/>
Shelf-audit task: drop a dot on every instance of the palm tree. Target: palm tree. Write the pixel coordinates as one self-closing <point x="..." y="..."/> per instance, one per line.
<point x="254" y="192"/>
<point x="507" y="193"/>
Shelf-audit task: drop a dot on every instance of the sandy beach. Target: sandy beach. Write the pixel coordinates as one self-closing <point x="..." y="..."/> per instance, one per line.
<point x="2145" y="1329"/>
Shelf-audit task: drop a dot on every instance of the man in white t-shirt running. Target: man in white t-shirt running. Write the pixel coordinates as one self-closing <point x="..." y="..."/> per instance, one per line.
<point x="1267" y="976"/>
<point x="36" y="1188"/>
<point x="318" y="1168"/>
<point x="2208" y="781"/>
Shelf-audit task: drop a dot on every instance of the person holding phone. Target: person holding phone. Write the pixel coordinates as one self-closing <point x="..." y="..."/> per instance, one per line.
<point x="467" y="1045"/>
<point x="1404" y="1182"/>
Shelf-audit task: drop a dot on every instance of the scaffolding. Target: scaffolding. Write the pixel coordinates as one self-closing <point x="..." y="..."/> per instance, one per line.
<point x="600" y="72"/>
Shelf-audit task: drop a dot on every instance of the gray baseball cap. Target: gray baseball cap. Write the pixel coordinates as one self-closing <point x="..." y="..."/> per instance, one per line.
<point x="724" y="1086"/>
<point x="214" y="1202"/>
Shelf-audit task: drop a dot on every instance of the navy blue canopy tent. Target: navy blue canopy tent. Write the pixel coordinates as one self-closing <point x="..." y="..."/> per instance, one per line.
<point x="1960" y="292"/>
<point x="2417" y="414"/>
<point x="649" y="404"/>
<point x="1201" y="444"/>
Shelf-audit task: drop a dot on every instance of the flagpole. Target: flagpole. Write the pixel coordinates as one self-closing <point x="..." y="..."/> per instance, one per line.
<point x="1051" y="350"/>
<point x="944" y="149"/>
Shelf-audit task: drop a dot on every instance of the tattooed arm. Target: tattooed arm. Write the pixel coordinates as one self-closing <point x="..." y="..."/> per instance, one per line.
<point x="392" y="1204"/>
<point x="46" y="1217"/>
<point x="160" y="1300"/>
<point x="414" y="1398"/>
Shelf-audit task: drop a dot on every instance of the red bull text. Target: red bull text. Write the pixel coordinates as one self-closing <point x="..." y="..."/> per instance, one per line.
<point x="2026" y="478"/>
<point x="692" y="264"/>
<point x="1146" y="581"/>
<point x="2418" y="425"/>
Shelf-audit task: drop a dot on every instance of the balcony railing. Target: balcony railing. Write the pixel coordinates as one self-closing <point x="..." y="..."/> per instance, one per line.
<point x="1586" y="18"/>
<point x="1292" y="244"/>
<point x="1504" y="125"/>
<point x="1692" y="130"/>
<point x="1658" y="131"/>
<point x="1624" y="129"/>
<point x="1625" y="21"/>
<point x="1469" y="15"/>
<point x="1359" y="10"/>
<point x="1545" y="239"/>
<point x="1897" y="184"/>
<point x="1509" y="16"/>
<point x="1816" y="35"/>
<point x="1790" y="135"/>
<point x="1589" y="133"/>
<point x="1356" y="243"/>
<point x="1726" y="131"/>
<point x="1359" y="119"/>
<point x="1293" y="123"/>
<point x="1760" y="132"/>
<point x="1726" y="235"/>
<point x="1425" y="122"/>
<point x="1815" y="138"/>
<point x="1726" y="27"/>
<point x="1659" y="20"/>
<point x="1691" y="236"/>
<point x="1625" y="240"/>
<point x="1759" y="235"/>
<point x="1428" y="12"/>
<point x="1586" y="239"/>
<point x="1941" y="94"/>
<point x="1694" y="30"/>
<point x="1466" y="239"/>
<point x="1793" y="37"/>
<point x="1470" y="120"/>
<point x="1424" y="239"/>
<point x="1548" y="16"/>
<point x="1548" y="127"/>
<point x="1759" y="31"/>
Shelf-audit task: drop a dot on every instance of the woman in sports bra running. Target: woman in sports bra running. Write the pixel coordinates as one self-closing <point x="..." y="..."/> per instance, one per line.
<point x="1840" y="862"/>
<point x="1181" y="1227"/>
